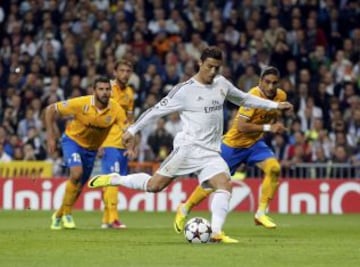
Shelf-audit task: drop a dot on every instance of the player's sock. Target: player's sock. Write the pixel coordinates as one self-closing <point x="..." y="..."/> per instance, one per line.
<point x="134" y="181"/>
<point x="196" y="197"/>
<point x="269" y="185"/>
<point x="219" y="209"/>
<point x="105" y="218"/>
<point x="112" y="202"/>
<point x="72" y="192"/>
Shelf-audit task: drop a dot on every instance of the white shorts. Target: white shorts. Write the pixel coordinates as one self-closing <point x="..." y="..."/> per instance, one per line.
<point x="189" y="159"/>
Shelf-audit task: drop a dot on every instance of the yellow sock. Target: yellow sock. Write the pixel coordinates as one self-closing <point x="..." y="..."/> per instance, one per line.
<point x="198" y="195"/>
<point x="111" y="202"/>
<point x="72" y="192"/>
<point x="105" y="218"/>
<point x="269" y="184"/>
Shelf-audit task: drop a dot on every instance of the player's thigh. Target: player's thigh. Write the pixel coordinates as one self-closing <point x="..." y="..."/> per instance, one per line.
<point x="79" y="160"/>
<point x="114" y="160"/>
<point x="176" y="163"/>
<point x="214" y="172"/>
<point x="88" y="158"/>
<point x="234" y="156"/>
<point x="259" y="152"/>
<point x="72" y="158"/>
<point x="219" y="181"/>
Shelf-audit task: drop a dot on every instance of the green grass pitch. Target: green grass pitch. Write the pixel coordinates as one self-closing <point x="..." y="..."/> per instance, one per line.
<point x="300" y="240"/>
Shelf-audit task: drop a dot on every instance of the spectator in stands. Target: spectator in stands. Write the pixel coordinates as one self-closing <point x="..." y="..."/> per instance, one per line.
<point x="28" y="123"/>
<point x="323" y="39"/>
<point x="160" y="141"/>
<point x="4" y="157"/>
<point x="341" y="156"/>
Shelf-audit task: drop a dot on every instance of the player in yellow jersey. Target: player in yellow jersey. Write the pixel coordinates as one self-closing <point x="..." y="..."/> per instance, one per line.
<point x="91" y="120"/>
<point x="114" y="158"/>
<point x="243" y="143"/>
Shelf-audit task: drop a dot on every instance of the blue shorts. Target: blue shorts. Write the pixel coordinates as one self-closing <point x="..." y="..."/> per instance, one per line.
<point x="113" y="160"/>
<point x="258" y="152"/>
<point x="75" y="155"/>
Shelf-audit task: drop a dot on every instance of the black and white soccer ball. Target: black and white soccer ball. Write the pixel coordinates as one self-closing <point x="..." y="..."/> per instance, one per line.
<point x="197" y="230"/>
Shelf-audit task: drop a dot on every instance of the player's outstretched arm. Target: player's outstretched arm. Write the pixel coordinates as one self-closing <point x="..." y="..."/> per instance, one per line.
<point x="285" y="106"/>
<point x="50" y="125"/>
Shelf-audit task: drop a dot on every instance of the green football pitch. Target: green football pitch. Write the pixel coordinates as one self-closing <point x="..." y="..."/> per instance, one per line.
<point x="300" y="240"/>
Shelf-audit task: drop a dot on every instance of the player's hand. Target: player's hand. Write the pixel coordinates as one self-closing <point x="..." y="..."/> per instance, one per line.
<point x="128" y="140"/>
<point x="277" y="127"/>
<point x="285" y="106"/>
<point x="100" y="152"/>
<point x="131" y="154"/>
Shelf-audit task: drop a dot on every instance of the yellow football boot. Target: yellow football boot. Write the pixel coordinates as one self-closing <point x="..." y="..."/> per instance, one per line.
<point x="265" y="221"/>
<point x="55" y="222"/>
<point x="99" y="181"/>
<point x="222" y="238"/>
<point x="180" y="217"/>
<point x="68" y="221"/>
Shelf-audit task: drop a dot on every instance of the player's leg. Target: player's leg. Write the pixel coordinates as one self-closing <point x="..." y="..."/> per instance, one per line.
<point x="182" y="211"/>
<point x="112" y="160"/>
<point x="72" y="157"/>
<point x="215" y="174"/>
<point x="143" y="181"/>
<point x="269" y="186"/>
<point x="220" y="206"/>
<point x="233" y="157"/>
<point x="264" y="158"/>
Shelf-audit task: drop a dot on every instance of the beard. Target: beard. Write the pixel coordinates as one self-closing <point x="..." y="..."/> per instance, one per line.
<point x="103" y="100"/>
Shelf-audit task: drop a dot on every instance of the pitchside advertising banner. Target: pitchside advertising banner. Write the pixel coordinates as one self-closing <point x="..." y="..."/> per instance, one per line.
<point x="294" y="196"/>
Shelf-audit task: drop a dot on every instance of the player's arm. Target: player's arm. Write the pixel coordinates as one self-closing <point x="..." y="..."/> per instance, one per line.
<point x="130" y="110"/>
<point x="240" y="98"/>
<point x="51" y="127"/>
<point x="52" y="113"/>
<point x="173" y="102"/>
<point x="244" y="125"/>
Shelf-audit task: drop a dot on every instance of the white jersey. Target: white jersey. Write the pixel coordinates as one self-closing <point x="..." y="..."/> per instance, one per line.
<point x="201" y="110"/>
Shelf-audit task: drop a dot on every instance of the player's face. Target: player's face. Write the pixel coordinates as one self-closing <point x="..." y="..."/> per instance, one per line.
<point x="209" y="68"/>
<point x="122" y="74"/>
<point x="102" y="93"/>
<point x="269" y="84"/>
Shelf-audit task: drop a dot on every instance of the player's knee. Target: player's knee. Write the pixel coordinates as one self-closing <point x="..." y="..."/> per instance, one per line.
<point x="225" y="185"/>
<point x="273" y="168"/>
<point x="154" y="186"/>
<point x="76" y="174"/>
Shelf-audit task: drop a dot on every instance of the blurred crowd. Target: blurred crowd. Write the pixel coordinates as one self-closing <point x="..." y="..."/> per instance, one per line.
<point x="53" y="50"/>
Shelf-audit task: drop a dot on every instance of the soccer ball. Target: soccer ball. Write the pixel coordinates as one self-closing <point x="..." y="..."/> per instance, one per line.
<point x="197" y="230"/>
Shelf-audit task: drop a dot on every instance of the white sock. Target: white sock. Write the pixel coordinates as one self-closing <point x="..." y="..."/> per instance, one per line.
<point x="135" y="181"/>
<point x="219" y="209"/>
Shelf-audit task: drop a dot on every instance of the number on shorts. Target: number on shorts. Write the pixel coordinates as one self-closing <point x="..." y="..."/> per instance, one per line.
<point x="76" y="157"/>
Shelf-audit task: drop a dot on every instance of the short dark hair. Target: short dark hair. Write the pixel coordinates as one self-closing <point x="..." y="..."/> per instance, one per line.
<point x="123" y="62"/>
<point x="270" y="70"/>
<point x="211" y="52"/>
<point x="101" y="79"/>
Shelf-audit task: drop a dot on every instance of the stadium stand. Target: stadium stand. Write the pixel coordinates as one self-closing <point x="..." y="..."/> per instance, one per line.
<point x="52" y="50"/>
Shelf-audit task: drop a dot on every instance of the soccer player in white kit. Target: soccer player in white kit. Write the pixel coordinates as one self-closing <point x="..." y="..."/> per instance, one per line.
<point x="199" y="102"/>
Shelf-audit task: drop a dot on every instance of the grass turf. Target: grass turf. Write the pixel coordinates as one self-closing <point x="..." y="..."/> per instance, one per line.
<point x="300" y="240"/>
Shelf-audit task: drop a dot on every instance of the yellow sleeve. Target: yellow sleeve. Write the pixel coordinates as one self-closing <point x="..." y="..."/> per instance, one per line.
<point x="246" y="112"/>
<point x="131" y="101"/>
<point x="121" y="118"/>
<point x="69" y="107"/>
